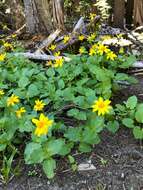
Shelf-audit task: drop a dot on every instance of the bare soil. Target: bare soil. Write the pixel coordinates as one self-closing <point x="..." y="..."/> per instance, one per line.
<point x="123" y="169"/>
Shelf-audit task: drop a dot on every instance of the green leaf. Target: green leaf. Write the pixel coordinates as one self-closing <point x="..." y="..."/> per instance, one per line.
<point x="48" y="167"/>
<point x="54" y="147"/>
<point x="128" y="62"/>
<point x="132" y="80"/>
<point x="66" y="149"/>
<point x="71" y="159"/>
<point x="83" y="147"/>
<point x="96" y="123"/>
<point x="80" y="115"/>
<point x="68" y="94"/>
<point x="33" y="153"/>
<point x="79" y="100"/>
<point x="50" y="72"/>
<point x="112" y="126"/>
<point x="73" y="134"/>
<point x="132" y="102"/>
<point x="25" y="125"/>
<point x="121" y="76"/>
<point x="138" y="133"/>
<point x="128" y="122"/>
<point x="23" y="82"/>
<point x="139" y="113"/>
<point x="32" y="91"/>
<point x="120" y="107"/>
<point x="3" y="122"/>
<point x="74" y="167"/>
<point x="101" y="74"/>
<point x="2" y="147"/>
<point x="61" y="84"/>
<point x="90" y="136"/>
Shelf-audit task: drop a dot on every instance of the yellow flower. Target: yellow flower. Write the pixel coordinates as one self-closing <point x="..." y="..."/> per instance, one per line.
<point x="52" y="47"/>
<point x="82" y="50"/>
<point x="42" y="125"/>
<point x="8" y="45"/>
<point x="12" y="100"/>
<point x="2" y="57"/>
<point x="5" y="27"/>
<point x="92" y="16"/>
<point x="39" y="105"/>
<point x="92" y="51"/>
<point x="1" y="92"/>
<point x="81" y="37"/>
<point x="91" y="38"/>
<point x="121" y="50"/>
<point x="94" y="46"/>
<point x="58" y="63"/>
<point x="119" y="35"/>
<point x="57" y="53"/>
<point x="14" y="35"/>
<point x="66" y="39"/>
<point x="102" y="49"/>
<point x="101" y="106"/>
<point x="111" y="56"/>
<point x="20" y="112"/>
<point x="49" y="63"/>
<point x="106" y="37"/>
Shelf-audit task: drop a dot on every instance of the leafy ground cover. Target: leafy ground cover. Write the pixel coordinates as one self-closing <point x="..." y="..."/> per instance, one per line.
<point x="49" y="111"/>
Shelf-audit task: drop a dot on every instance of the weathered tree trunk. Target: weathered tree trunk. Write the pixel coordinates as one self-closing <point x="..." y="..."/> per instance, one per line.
<point x="138" y="12"/>
<point x="39" y="15"/>
<point x="129" y="13"/>
<point x="17" y="13"/>
<point x="119" y="13"/>
<point x="58" y="14"/>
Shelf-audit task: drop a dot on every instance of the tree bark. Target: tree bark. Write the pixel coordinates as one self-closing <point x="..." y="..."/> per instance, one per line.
<point x="39" y="15"/>
<point x="138" y="13"/>
<point x="17" y="13"/>
<point x="119" y="13"/>
<point x="58" y="14"/>
<point x="129" y="13"/>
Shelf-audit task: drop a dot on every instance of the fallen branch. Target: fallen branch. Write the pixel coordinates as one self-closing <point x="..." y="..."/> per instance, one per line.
<point x="17" y="32"/>
<point x="80" y="24"/>
<point x="48" y="41"/>
<point x="42" y="57"/>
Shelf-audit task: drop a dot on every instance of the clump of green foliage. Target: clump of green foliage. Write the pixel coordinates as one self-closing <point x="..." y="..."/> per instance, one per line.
<point x="35" y="102"/>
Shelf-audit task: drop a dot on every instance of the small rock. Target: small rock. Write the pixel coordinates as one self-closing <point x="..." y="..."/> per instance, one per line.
<point x="86" y="167"/>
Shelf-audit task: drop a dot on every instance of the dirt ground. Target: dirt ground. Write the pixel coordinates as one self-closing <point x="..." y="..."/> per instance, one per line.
<point x="121" y="167"/>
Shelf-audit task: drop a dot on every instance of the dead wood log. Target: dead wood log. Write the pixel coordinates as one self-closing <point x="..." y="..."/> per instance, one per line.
<point x="80" y="24"/>
<point x="48" y="41"/>
<point x="41" y="57"/>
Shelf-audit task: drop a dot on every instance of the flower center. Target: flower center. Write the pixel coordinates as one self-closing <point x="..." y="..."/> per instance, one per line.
<point x="41" y="124"/>
<point x="101" y="105"/>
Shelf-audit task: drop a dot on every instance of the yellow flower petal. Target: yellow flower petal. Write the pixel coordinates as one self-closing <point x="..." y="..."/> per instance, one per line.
<point x="101" y="106"/>
<point x="42" y="125"/>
